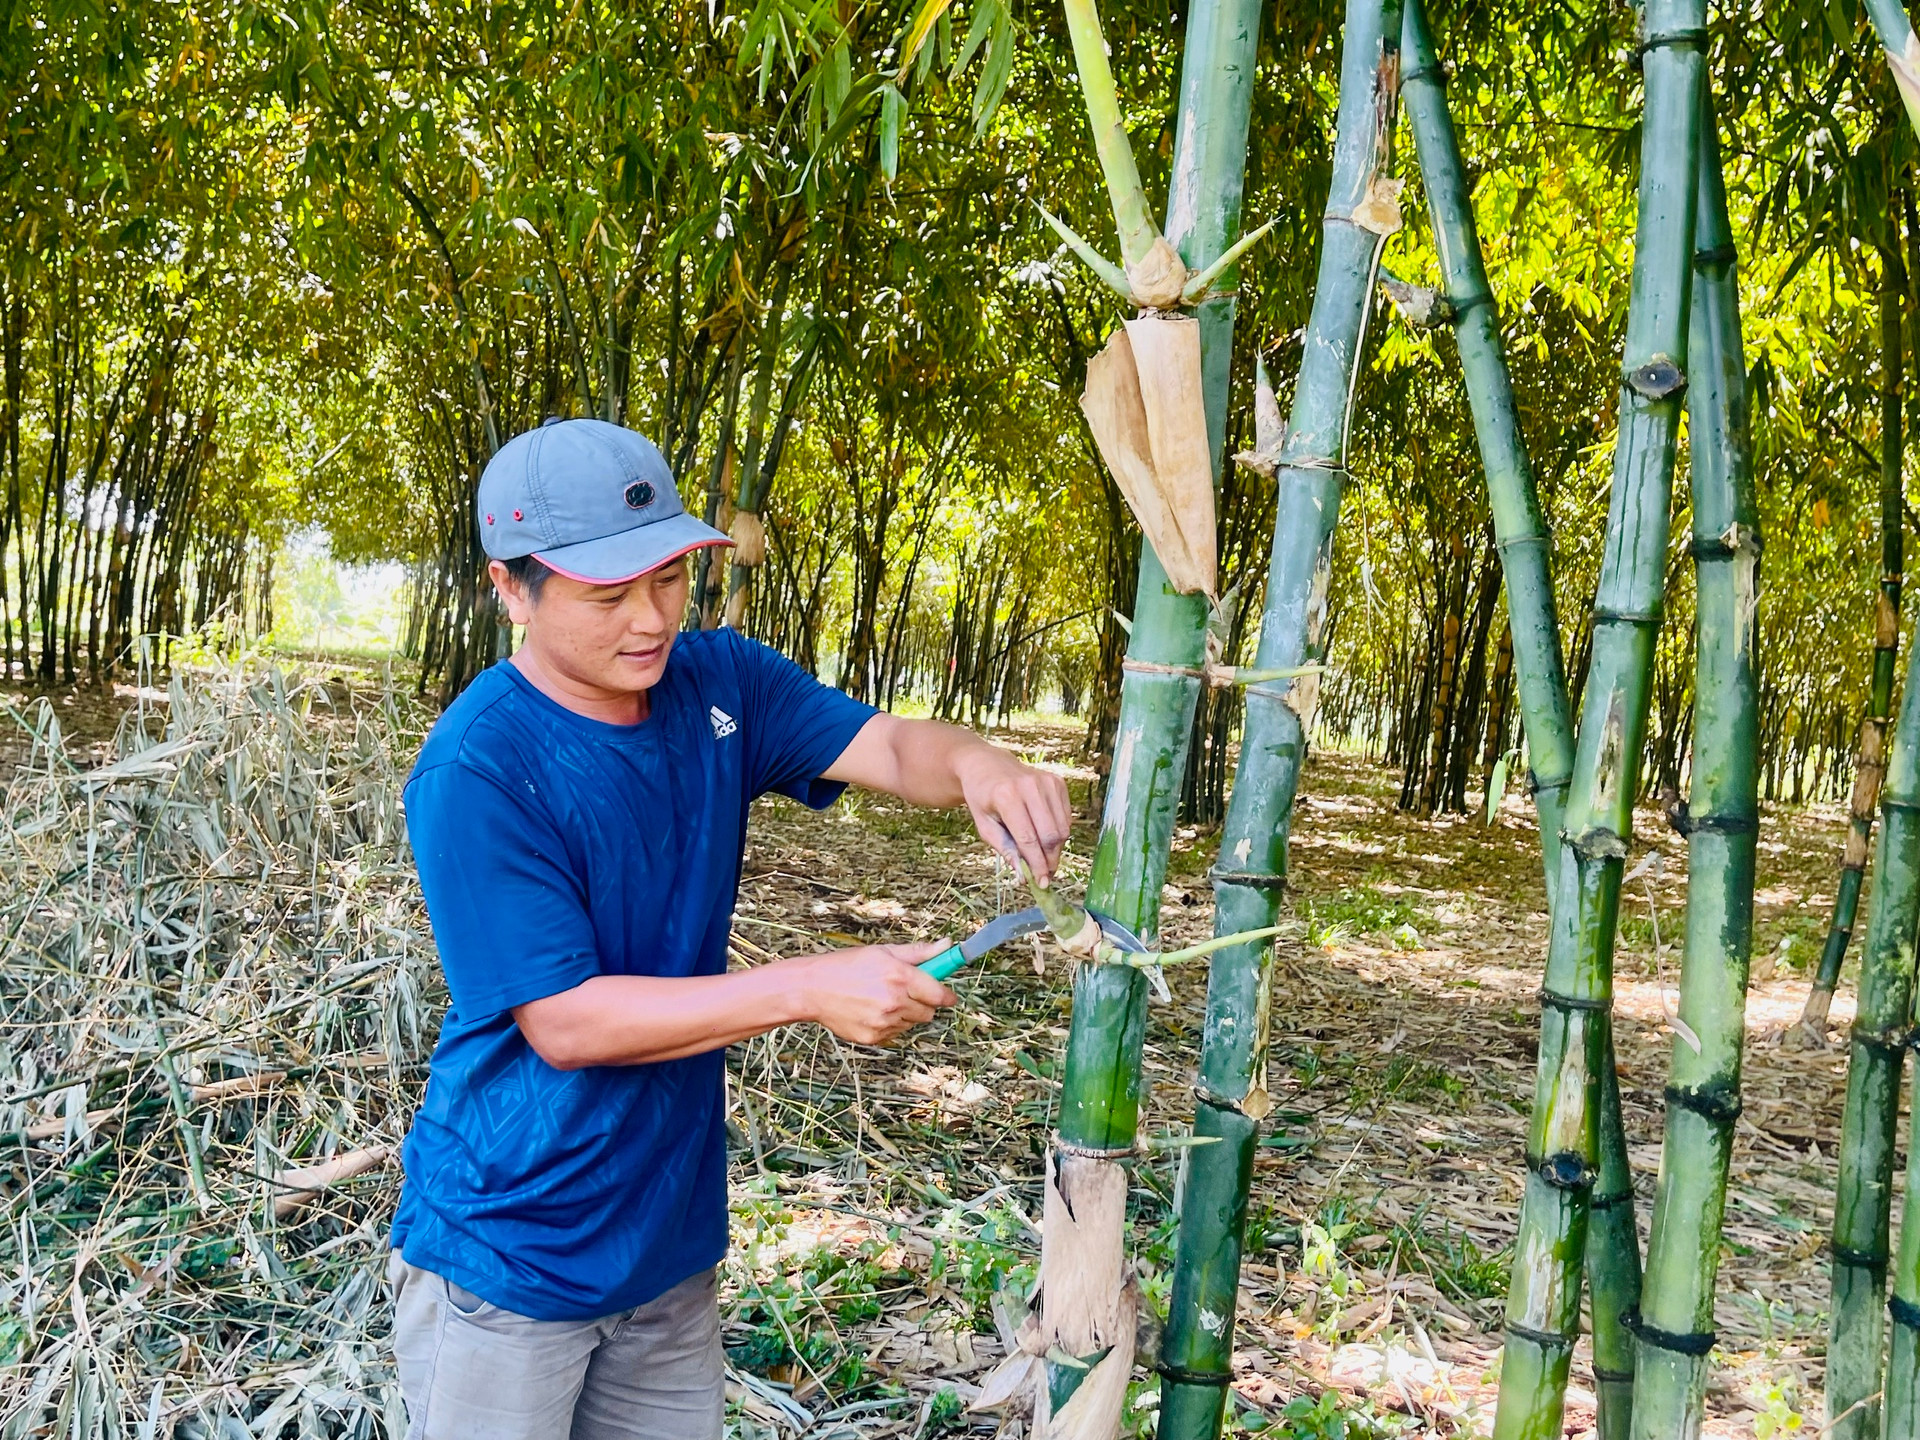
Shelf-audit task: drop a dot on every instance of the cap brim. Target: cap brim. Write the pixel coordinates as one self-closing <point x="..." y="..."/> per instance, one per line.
<point x="615" y="559"/>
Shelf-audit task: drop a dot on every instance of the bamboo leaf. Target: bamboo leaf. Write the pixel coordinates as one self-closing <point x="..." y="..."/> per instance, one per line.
<point x="995" y="73"/>
<point x="893" y="107"/>
<point x="1496" y="787"/>
<point x="928" y="16"/>
<point x="979" y="27"/>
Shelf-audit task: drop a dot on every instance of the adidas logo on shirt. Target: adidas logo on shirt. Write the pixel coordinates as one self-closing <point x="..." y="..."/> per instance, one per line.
<point x="723" y="723"/>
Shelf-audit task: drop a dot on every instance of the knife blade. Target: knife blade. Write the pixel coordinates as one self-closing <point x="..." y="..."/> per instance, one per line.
<point x="994" y="933"/>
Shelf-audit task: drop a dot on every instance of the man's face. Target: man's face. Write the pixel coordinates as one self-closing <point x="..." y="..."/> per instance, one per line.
<point x="613" y="638"/>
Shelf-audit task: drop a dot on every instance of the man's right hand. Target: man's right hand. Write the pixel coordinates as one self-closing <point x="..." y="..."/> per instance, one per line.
<point x="872" y="993"/>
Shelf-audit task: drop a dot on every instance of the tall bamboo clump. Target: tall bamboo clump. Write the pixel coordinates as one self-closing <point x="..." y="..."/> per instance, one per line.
<point x="1543" y="1305"/>
<point x="1136" y="396"/>
<point x="1675" y="1328"/>
<point x="1526" y="553"/>
<point x="1871" y="766"/>
<point x="1310" y="470"/>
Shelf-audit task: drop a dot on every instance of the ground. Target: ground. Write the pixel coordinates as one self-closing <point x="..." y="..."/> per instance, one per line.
<point x="219" y="986"/>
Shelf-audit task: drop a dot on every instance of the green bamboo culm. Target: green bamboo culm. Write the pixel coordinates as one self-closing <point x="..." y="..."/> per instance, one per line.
<point x="1100" y="1091"/>
<point x="1132" y="216"/>
<point x="1526" y="552"/>
<point x="1612" y="1255"/>
<point x="1882" y="1014"/>
<point x="1895" y="33"/>
<point x="1863" y="1195"/>
<point x="1870" y="768"/>
<point x="1196" y="1349"/>
<point x="1902" y="1405"/>
<point x="1543" y="1304"/>
<point x="1882" y="1025"/>
<point x="1703" y="1092"/>
<point x="1526" y="549"/>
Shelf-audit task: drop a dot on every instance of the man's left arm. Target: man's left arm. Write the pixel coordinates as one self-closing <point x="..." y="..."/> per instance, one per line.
<point x="1016" y="808"/>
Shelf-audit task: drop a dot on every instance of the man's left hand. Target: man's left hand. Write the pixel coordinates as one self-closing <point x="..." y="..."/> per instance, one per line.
<point x="1022" y="812"/>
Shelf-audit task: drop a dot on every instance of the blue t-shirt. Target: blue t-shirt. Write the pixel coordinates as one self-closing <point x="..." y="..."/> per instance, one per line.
<point x="553" y="848"/>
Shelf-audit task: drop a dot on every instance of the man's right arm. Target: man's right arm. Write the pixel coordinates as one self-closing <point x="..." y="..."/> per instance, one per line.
<point x="867" y="995"/>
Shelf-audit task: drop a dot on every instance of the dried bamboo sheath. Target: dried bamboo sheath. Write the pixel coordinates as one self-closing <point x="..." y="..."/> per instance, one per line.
<point x="1197" y="1347"/>
<point x="1543" y="1306"/>
<point x="1703" y="1092"/>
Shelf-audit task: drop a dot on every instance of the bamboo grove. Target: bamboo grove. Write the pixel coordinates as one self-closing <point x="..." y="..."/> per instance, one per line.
<point x="1442" y="350"/>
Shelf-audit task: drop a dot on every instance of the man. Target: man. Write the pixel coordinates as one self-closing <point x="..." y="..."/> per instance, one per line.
<point x="578" y="817"/>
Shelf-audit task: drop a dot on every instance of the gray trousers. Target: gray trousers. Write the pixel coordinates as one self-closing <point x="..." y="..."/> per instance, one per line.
<point x="472" y="1371"/>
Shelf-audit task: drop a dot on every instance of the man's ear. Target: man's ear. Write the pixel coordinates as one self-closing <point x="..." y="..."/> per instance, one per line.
<point x="518" y="601"/>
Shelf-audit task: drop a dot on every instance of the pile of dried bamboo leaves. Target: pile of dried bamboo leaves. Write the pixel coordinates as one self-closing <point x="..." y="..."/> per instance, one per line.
<point x="213" y="1024"/>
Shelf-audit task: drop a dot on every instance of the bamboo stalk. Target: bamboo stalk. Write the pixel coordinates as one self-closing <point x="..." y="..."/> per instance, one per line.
<point x="1896" y="36"/>
<point x="1526" y="549"/>
<point x="1703" y="1092"/>
<point x="1882" y="1016"/>
<point x="1863" y="1196"/>
<point x="1100" y="1089"/>
<point x="1196" y="1351"/>
<point x="1526" y="553"/>
<point x="1870" y="768"/>
<point x="1132" y="216"/>
<point x="1543" y="1304"/>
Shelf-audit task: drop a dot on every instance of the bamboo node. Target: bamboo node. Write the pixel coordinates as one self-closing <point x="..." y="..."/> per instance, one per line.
<point x="1573" y="1002"/>
<point x="1609" y="615"/>
<point x="1535" y="785"/>
<point x="1889" y="1042"/>
<point x="1596" y="843"/>
<point x="1181" y="1375"/>
<point x="1566" y="1170"/>
<point x="1094" y="1152"/>
<point x="1248" y="878"/>
<point x="1464" y="305"/>
<point x="1716" y="1104"/>
<point x="1904" y="1312"/>
<point x="1545" y="1339"/>
<point x="1693" y="38"/>
<point x="1159" y="278"/>
<point x="1659" y="379"/>
<point x="1858" y="1259"/>
<point x="1695" y="1342"/>
<point x="1154" y="667"/>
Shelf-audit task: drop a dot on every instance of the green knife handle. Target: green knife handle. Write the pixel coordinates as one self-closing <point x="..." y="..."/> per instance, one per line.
<point x="945" y="963"/>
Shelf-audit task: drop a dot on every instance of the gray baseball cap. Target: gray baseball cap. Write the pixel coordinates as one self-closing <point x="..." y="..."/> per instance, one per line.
<point x="592" y="500"/>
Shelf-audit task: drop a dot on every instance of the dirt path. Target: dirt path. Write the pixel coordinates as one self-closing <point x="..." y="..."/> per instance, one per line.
<point x="1387" y="1188"/>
